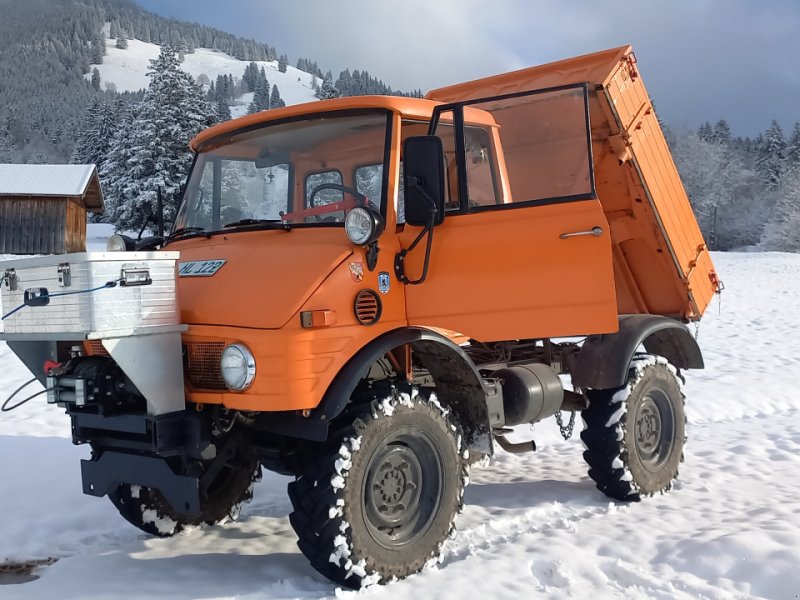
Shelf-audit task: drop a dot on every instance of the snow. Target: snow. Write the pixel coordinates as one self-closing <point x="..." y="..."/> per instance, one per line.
<point x="533" y="525"/>
<point x="127" y="70"/>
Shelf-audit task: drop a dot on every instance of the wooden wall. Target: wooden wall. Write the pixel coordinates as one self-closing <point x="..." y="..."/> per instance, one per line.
<point x="36" y="225"/>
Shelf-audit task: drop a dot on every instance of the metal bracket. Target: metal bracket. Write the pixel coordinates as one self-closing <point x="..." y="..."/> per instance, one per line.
<point x="67" y="390"/>
<point x="64" y="275"/>
<point x="135" y="276"/>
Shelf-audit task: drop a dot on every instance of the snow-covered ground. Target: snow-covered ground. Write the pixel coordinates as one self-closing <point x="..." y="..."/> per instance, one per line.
<point x="534" y="525"/>
<point x="127" y="70"/>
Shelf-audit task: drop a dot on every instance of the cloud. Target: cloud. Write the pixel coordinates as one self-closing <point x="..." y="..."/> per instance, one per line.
<point x="702" y="59"/>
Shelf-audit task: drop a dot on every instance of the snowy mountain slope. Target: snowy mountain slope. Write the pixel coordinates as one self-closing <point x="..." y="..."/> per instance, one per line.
<point x="534" y="524"/>
<point x="127" y="70"/>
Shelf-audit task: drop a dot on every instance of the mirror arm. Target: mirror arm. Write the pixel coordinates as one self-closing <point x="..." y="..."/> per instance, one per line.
<point x="160" y="215"/>
<point x="399" y="260"/>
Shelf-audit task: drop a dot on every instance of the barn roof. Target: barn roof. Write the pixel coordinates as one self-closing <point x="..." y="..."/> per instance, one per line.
<point x="78" y="182"/>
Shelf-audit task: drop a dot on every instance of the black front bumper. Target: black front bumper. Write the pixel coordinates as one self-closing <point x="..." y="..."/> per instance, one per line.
<point x="142" y="450"/>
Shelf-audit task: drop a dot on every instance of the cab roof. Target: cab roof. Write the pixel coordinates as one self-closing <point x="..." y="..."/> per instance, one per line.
<point x="419" y="108"/>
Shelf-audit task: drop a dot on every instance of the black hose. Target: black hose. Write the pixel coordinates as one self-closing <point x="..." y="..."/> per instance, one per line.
<point x="109" y="284"/>
<point x="6" y="408"/>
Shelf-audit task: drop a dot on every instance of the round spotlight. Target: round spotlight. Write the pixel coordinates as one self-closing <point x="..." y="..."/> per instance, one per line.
<point x="363" y="225"/>
<point x="120" y="243"/>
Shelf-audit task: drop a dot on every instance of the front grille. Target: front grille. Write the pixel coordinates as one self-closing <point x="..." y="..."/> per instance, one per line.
<point x="203" y="365"/>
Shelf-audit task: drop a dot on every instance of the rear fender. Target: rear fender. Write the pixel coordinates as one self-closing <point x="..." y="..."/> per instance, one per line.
<point x="604" y="360"/>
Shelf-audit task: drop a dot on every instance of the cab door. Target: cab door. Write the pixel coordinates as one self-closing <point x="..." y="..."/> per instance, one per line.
<point x="524" y="250"/>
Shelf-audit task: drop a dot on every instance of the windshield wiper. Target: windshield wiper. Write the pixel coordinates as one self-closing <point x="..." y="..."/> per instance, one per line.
<point x="187" y="232"/>
<point x="267" y="223"/>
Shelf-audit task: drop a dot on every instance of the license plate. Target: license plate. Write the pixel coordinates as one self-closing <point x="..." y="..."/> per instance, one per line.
<point x="199" y="268"/>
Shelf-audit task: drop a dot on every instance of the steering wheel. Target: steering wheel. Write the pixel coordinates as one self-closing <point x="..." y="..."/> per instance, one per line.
<point x="361" y="198"/>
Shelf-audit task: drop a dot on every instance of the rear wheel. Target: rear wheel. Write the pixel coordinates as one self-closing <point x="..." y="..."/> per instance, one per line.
<point x="378" y="500"/>
<point x="634" y="436"/>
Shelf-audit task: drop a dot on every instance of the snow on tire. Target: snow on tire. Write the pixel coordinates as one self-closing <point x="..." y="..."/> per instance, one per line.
<point x="378" y="500"/>
<point x="634" y="435"/>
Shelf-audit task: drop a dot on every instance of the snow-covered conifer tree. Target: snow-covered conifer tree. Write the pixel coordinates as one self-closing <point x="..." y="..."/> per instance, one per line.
<point x="223" y="110"/>
<point x="114" y="174"/>
<point x="714" y="178"/>
<point x="260" y="98"/>
<point x="706" y="132"/>
<point x="5" y="148"/>
<point x="793" y="148"/>
<point x="770" y="161"/>
<point x="275" y="100"/>
<point x="98" y="129"/>
<point x="96" y="79"/>
<point x="174" y="110"/>
<point x="783" y="231"/>
<point x="98" y="50"/>
<point x="327" y="90"/>
<point x="122" y="40"/>
<point x="722" y="132"/>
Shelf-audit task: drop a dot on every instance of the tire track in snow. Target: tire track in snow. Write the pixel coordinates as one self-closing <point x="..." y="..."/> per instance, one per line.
<point x="714" y="442"/>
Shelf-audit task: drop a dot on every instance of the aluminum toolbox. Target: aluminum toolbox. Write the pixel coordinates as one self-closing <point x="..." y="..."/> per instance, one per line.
<point x="143" y="301"/>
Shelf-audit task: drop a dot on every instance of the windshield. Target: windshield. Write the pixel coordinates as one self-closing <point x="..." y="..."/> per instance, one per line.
<point x="302" y="172"/>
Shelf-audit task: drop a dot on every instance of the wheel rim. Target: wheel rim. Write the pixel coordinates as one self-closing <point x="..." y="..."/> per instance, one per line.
<point x="654" y="429"/>
<point x="403" y="489"/>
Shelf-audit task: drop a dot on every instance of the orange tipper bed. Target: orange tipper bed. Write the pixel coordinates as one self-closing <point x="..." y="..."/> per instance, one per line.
<point x="654" y="232"/>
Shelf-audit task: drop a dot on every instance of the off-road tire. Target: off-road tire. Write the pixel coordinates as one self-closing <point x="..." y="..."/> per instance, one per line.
<point x="634" y="435"/>
<point x="147" y="509"/>
<point x="353" y="486"/>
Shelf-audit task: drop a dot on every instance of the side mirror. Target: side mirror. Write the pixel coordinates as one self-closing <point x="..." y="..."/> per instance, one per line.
<point x="423" y="177"/>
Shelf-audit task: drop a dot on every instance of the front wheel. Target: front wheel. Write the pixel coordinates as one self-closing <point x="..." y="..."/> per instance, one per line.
<point x="634" y="436"/>
<point x="378" y="500"/>
<point x="221" y="497"/>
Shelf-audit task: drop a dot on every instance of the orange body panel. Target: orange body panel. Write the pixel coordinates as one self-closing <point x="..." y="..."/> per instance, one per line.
<point x="295" y="365"/>
<point x="507" y="274"/>
<point x="255" y="288"/>
<point x="494" y="275"/>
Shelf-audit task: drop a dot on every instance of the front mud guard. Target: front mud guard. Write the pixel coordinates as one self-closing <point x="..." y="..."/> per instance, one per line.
<point x="459" y="382"/>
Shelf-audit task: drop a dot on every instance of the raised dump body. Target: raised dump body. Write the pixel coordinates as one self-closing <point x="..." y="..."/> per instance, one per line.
<point x="661" y="262"/>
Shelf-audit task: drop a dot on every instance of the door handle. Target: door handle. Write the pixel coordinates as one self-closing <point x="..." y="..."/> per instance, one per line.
<point x="595" y="231"/>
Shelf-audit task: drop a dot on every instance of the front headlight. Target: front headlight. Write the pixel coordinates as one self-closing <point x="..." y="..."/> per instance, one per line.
<point x="238" y="367"/>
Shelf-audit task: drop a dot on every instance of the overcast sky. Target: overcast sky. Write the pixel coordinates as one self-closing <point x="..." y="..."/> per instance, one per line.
<point x="701" y="59"/>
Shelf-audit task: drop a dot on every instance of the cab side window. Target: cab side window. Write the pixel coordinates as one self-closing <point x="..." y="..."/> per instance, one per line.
<point x="481" y="179"/>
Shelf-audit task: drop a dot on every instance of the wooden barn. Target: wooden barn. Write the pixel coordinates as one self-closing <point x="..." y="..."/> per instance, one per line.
<point x="43" y="207"/>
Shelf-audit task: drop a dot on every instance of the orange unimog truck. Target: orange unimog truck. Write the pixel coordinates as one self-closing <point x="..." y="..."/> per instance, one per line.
<point x="369" y="292"/>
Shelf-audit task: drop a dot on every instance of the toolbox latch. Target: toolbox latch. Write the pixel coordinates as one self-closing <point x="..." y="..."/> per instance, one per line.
<point x="9" y="279"/>
<point x="64" y="275"/>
